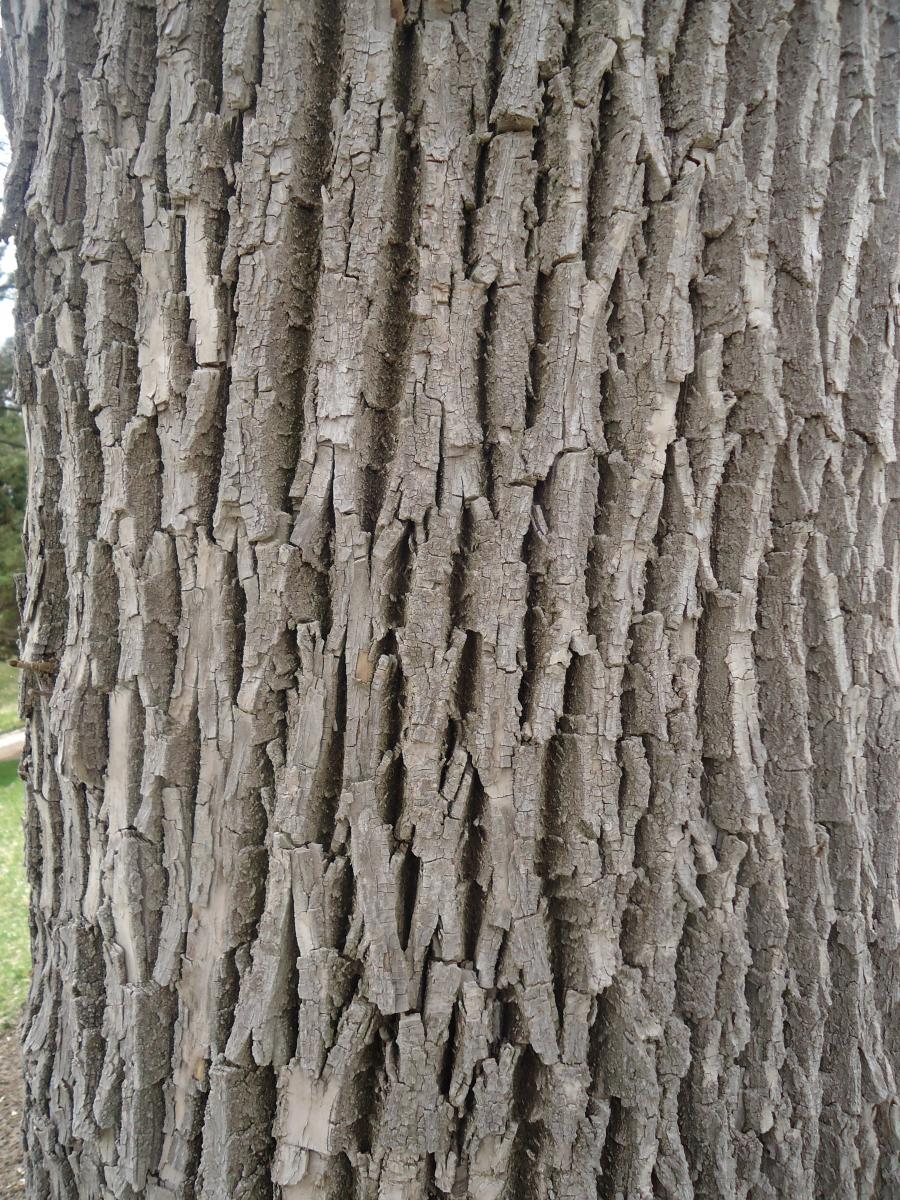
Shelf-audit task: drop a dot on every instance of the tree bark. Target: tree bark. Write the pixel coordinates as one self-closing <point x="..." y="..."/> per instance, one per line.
<point x="464" y="538"/>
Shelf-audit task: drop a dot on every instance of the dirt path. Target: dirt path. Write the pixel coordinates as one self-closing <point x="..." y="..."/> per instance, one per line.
<point x="12" y="1178"/>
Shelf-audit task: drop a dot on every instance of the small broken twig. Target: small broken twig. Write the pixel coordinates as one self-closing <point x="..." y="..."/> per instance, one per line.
<point x="40" y="666"/>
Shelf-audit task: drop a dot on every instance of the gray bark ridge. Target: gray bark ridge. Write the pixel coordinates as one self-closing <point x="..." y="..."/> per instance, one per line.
<point x="465" y="515"/>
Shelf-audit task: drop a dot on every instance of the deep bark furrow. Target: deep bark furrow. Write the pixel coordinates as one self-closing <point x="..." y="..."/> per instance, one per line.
<point x="465" y="516"/>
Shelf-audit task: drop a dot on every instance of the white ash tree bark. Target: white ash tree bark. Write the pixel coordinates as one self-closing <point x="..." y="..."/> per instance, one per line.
<point x="464" y="556"/>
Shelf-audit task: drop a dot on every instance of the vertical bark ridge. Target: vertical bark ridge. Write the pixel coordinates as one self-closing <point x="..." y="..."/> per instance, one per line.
<point x="732" y="425"/>
<point x="368" y="205"/>
<point x="132" y="560"/>
<point x="871" y="382"/>
<point x="183" y="341"/>
<point x="744" y="350"/>
<point x="435" y="426"/>
<point x="389" y="319"/>
<point x="471" y="766"/>
<point x="260" y="364"/>
<point x="61" y="1040"/>
<point x="837" y="668"/>
<point x="641" y="609"/>
<point x="800" y="107"/>
<point x="559" y="675"/>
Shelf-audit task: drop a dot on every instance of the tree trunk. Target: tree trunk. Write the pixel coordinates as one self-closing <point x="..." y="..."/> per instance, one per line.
<point x="463" y="556"/>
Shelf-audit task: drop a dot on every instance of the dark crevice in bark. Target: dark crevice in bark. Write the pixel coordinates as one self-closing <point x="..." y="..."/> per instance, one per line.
<point x="646" y="858"/>
<point x="341" y="1177"/>
<point x="533" y="398"/>
<point x="560" y="799"/>
<point x="312" y="597"/>
<point x="193" y="1141"/>
<point x="662" y="550"/>
<point x="685" y="989"/>
<point x="344" y="903"/>
<point x="184" y="828"/>
<point x="462" y="583"/>
<point x="290" y="953"/>
<point x="452" y="739"/>
<point x="709" y="769"/>
<point x="210" y="57"/>
<point x="327" y="571"/>
<point x="524" y="1181"/>
<point x="471" y="867"/>
<point x="543" y="152"/>
<point x="759" y="981"/>
<point x="297" y="299"/>
<point x="612" y="1151"/>
<point x="226" y="1001"/>
<point x="468" y="679"/>
<point x="595" y="567"/>
<point x="215" y="441"/>
<point x="595" y="226"/>
<point x="368" y="1089"/>
<point x="490" y="435"/>
<point x="407" y="889"/>
<point x="398" y="580"/>
<point x="577" y="697"/>
<point x="509" y="1025"/>
<point x="297" y="282"/>
<point x="535" y="617"/>
<point x="236" y="607"/>
<point x="330" y="777"/>
<point x="395" y="693"/>
<point x="495" y="61"/>
<point x="470" y="259"/>
<point x="390" y="357"/>
<point x="377" y="445"/>
<point x="440" y="494"/>
<point x="249" y="113"/>
<point x="671" y="84"/>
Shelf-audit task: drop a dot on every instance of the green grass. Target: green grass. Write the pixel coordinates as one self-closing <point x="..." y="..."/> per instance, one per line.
<point x="9" y="698"/>
<point x="15" y="955"/>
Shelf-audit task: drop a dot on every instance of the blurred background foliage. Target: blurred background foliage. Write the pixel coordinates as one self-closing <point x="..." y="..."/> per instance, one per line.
<point x="13" y="493"/>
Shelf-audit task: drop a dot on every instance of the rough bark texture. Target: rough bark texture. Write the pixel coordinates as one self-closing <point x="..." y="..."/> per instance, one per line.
<point x="466" y="521"/>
